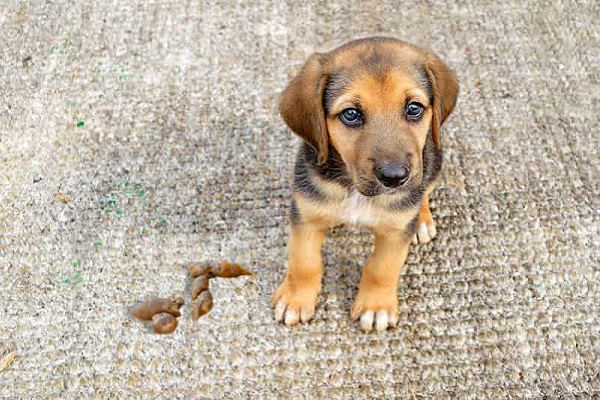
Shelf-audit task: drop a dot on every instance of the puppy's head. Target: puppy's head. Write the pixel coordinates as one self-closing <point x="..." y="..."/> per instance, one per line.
<point x="375" y="101"/>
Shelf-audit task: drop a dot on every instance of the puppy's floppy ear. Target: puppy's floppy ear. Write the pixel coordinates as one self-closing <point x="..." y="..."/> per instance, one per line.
<point x="301" y="105"/>
<point x="444" y="86"/>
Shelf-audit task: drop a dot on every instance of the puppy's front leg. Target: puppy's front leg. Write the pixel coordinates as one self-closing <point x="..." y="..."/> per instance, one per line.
<point x="296" y="298"/>
<point x="376" y="303"/>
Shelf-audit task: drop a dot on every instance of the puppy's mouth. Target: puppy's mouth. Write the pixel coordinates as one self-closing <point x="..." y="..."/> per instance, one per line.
<point x="372" y="187"/>
<point x="368" y="187"/>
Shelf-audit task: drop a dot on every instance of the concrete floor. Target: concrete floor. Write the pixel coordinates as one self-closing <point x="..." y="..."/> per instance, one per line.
<point x="136" y="137"/>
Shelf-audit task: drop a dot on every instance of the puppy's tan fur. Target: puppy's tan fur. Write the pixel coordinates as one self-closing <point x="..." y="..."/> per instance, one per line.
<point x="335" y="180"/>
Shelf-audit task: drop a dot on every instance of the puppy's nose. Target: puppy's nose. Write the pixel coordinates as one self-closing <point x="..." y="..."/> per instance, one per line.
<point x="393" y="175"/>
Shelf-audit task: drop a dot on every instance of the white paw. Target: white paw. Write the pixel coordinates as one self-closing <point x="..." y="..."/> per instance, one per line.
<point x="379" y="321"/>
<point x="375" y="311"/>
<point x="293" y="314"/>
<point x="295" y="306"/>
<point x="425" y="233"/>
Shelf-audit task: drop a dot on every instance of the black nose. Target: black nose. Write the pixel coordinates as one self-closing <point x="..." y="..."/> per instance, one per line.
<point x="393" y="175"/>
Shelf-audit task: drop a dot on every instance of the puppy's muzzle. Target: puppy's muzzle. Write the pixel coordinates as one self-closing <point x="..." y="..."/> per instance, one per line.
<point x="392" y="175"/>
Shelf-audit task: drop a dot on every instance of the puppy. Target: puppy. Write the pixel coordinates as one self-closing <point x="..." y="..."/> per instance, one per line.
<point x="370" y="113"/>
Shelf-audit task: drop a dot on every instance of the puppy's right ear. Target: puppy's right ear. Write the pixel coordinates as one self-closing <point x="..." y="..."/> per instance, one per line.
<point x="301" y="105"/>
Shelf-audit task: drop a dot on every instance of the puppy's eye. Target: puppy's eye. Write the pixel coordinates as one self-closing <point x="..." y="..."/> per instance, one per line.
<point x="414" y="111"/>
<point x="351" y="117"/>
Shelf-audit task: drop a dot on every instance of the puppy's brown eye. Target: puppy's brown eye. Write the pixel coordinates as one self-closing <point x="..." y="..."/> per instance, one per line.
<point x="414" y="111"/>
<point x="351" y="117"/>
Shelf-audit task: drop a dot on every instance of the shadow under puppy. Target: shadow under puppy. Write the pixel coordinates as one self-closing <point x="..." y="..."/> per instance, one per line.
<point x="370" y="113"/>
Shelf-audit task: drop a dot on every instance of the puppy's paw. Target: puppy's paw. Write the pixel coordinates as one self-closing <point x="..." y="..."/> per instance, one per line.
<point x="294" y="304"/>
<point x="376" y="309"/>
<point x="425" y="228"/>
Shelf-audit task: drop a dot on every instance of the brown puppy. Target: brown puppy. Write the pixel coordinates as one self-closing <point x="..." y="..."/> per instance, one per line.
<point x="370" y="114"/>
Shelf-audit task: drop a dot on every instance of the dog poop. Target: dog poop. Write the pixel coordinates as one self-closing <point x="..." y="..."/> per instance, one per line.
<point x="162" y="312"/>
<point x="222" y="269"/>
<point x="202" y="300"/>
<point x="156" y="305"/>
<point x="202" y="304"/>
<point x="199" y="285"/>
<point x="164" y="323"/>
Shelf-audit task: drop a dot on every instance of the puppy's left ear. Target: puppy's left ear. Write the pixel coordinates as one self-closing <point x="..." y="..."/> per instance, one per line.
<point x="445" y="90"/>
<point x="301" y="105"/>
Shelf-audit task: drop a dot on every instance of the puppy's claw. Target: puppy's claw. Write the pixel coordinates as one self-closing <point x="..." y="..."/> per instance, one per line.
<point x="285" y="314"/>
<point x="431" y="231"/>
<point x="291" y="317"/>
<point x="425" y="233"/>
<point x="279" y="311"/>
<point x="306" y="314"/>
<point x="366" y="321"/>
<point x="381" y="321"/>
<point x="356" y="312"/>
<point x="394" y="320"/>
<point x="415" y="239"/>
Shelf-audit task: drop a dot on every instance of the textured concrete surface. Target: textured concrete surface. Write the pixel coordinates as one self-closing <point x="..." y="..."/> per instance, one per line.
<point x="137" y="136"/>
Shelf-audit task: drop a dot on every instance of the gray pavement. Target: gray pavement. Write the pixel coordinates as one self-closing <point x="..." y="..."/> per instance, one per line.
<point x="138" y="136"/>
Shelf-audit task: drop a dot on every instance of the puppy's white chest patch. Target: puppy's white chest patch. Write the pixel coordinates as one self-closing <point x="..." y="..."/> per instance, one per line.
<point x="359" y="209"/>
